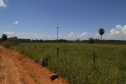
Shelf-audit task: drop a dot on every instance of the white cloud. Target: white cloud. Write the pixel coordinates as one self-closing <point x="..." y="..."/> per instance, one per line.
<point x="2" y="4"/>
<point x="117" y="33"/>
<point x="83" y="34"/>
<point x="97" y="35"/>
<point x="119" y="27"/>
<point x="16" y="22"/>
<point x="71" y="34"/>
<point x="118" y="30"/>
<point x="114" y="32"/>
<point x="9" y="33"/>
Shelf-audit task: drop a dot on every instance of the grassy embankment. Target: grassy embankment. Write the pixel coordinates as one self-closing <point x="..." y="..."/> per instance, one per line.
<point x="75" y="61"/>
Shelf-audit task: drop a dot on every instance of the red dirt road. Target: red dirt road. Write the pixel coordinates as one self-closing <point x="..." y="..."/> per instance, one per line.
<point x="16" y="68"/>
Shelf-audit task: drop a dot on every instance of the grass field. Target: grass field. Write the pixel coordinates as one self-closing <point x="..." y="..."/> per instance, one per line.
<point x="75" y="61"/>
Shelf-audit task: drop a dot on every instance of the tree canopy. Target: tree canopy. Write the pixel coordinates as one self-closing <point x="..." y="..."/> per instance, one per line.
<point x="101" y="32"/>
<point x="4" y="37"/>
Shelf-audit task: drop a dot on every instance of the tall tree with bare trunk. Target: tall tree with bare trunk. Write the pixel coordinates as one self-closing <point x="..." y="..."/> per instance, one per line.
<point x="101" y="32"/>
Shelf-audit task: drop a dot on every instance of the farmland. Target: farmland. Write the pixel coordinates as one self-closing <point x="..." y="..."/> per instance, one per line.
<point x="75" y="61"/>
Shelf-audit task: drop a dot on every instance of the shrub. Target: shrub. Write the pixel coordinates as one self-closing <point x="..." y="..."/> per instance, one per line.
<point x="10" y="42"/>
<point x="91" y="40"/>
<point x="43" y="61"/>
<point x="97" y="41"/>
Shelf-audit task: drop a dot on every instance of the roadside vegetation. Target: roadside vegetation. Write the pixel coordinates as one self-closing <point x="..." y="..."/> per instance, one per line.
<point x="10" y="42"/>
<point x="75" y="61"/>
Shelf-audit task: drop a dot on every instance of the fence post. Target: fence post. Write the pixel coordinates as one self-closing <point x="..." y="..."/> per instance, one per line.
<point x="22" y="49"/>
<point x="94" y="58"/>
<point x="35" y="47"/>
<point x="43" y="49"/>
<point x="57" y="51"/>
<point x="29" y="46"/>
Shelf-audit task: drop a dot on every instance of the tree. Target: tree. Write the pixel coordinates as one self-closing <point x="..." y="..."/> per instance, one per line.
<point x="91" y="40"/>
<point x="10" y="42"/>
<point x="78" y="40"/>
<point x="101" y="32"/>
<point x="13" y="40"/>
<point x="4" y="37"/>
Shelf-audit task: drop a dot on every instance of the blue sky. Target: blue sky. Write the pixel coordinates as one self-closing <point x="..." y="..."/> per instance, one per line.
<point x="38" y="19"/>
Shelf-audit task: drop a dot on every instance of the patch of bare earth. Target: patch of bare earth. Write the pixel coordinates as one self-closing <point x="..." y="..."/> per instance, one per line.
<point x="16" y="68"/>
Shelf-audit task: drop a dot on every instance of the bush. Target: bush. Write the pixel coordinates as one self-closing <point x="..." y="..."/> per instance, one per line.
<point x="43" y="61"/>
<point x="97" y="41"/>
<point x="91" y="40"/>
<point x="10" y="42"/>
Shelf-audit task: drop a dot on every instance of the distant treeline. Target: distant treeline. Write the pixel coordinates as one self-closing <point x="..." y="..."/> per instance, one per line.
<point x="90" y="40"/>
<point x="75" y="41"/>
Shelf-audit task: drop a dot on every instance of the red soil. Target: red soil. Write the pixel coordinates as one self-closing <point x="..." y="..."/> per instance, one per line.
<point x="16" y="68"/>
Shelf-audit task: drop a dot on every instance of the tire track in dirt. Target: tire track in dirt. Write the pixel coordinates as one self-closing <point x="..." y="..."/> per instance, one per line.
<point x="9" y="73"/>
<point x="16" y="68"/>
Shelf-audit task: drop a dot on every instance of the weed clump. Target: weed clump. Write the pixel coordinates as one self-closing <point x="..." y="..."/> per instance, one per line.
<point x="43" y="61"/>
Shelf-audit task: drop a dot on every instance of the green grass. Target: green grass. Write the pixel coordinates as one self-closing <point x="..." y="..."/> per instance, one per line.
<point x="75" y="61"/>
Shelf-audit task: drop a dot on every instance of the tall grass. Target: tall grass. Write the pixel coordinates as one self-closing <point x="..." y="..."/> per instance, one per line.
<point x="75" y="61"/>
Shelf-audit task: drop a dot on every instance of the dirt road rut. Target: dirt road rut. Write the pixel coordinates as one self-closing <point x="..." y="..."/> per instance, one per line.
<point x="16" y="68"/>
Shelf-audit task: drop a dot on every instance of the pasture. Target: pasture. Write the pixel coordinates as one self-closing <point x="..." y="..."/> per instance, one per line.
<point x="76" y="62"/>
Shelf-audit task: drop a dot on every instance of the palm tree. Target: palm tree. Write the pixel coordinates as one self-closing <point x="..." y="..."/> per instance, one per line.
<point x="101" y="32"/>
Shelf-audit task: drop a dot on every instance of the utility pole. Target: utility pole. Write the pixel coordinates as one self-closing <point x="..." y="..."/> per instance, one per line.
<point x="57" y="34"/>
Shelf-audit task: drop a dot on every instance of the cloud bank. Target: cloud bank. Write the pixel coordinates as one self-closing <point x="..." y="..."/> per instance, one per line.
<point x="25" y="35"/>
<point x="117" y="33"/>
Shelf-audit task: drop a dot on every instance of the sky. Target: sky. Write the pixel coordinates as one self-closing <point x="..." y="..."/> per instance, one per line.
<point x="38" y="19"/>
